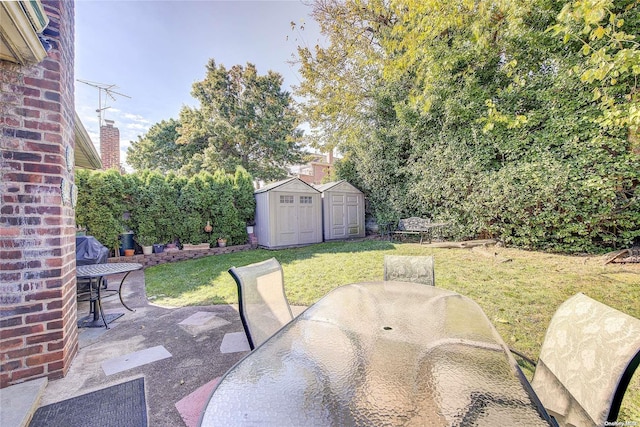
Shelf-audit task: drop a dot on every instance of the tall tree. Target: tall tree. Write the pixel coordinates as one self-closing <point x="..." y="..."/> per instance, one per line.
<point x="244" y="119"/>
<point x="476" y="112"/>
<point x="157" y="149"/>
<point x="339" y="79"/>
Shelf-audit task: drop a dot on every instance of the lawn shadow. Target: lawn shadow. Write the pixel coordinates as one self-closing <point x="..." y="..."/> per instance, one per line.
<point x="206" y="280"/>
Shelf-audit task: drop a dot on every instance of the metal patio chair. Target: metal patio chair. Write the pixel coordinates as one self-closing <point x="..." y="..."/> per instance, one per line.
<point x="264" y="308"/>
<point x="587" y="359"/>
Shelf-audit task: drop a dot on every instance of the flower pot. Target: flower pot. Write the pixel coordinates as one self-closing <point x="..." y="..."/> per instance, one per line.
<point x="222" y="243"/>
<point x="129" y="252"/>
<point x="126" y="242"/>
<point x="147" y="250"/>
<point x="158" y="249"/>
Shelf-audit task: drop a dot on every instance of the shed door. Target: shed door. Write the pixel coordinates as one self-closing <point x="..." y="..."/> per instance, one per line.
<point x="345" y="216"/>
<point x="296" y="220"/>
<point x="338" y="216"/>
<point x="287" y="220"/>
<point x="353" y="215"/>
<point x="307" y="219"/>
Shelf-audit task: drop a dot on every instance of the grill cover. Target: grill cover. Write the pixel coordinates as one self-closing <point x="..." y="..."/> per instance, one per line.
<point x="90" y="251"/>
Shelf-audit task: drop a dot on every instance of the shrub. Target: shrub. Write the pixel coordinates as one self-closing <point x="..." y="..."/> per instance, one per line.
<point x="101" y="205"/>
<point x="162" y="209"/>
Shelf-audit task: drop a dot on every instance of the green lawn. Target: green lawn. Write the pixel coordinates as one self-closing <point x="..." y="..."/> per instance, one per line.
<point x="519" y="296"/>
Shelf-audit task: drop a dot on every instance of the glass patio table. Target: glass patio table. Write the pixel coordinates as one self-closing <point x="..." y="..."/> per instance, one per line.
<point x="380" y="353"/>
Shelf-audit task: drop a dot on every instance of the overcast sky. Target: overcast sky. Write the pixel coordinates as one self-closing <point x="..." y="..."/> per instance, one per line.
<point x="154" y="50"/>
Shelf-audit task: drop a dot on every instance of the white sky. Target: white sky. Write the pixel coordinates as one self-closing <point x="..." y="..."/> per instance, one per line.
<point x="154" y="50"/>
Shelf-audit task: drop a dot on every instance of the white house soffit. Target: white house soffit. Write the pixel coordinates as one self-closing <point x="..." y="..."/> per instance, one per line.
<point x="20" y="23"/>
<point x="85" y="154"/>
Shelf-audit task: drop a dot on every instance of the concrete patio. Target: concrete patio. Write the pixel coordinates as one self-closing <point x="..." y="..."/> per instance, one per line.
<point x="180" y="352"/>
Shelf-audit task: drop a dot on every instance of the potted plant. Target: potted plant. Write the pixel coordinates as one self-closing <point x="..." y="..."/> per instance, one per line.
<point x="222" y="241"/>
<point x="146" y="242"/>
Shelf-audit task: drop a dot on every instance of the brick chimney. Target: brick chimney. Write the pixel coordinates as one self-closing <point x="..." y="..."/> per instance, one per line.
<point x="110" y="146"/>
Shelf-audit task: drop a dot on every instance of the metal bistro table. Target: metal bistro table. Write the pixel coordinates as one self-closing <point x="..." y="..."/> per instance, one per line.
<point x="96" y="274"/>
<point x="380" y="353"/>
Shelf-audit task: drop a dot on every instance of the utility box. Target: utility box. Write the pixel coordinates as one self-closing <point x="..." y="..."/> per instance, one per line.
<point x="342" y="211"/>
<point x="288" y="213"/>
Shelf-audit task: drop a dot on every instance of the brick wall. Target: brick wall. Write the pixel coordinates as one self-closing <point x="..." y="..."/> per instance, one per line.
<point x="110" y="146"/>
<point x="38" y="332"/>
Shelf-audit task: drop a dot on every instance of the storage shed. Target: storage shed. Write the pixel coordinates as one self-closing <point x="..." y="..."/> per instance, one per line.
<point x="342" y="210"/>
<point x="288" y="213"/>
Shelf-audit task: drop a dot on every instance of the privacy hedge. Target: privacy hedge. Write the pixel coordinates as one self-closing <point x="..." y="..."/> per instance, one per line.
<point x="163" y="209"/>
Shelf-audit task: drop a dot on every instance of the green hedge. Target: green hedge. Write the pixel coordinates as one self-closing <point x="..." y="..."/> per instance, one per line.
<point x="163" y="209"/>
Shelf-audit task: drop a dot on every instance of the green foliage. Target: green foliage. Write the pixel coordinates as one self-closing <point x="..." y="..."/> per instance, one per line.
<point x="607" y="32"/>
<point x="244" y="201"/>
<point x="477" y="113"/>
<point x="165" y="208"/>
<point x="101" y="205"/>
<point x="191" y="206"/>
<point x="157" y="149"/>
<point x="244" y="119"/>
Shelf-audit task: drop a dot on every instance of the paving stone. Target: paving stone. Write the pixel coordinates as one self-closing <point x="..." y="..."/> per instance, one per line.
<point x="19" y="402"/>
<point x="191" y="406"/>
<point x="234" y="342"/>
<point x="202" y="321"/>
<point x="135" y="359"/>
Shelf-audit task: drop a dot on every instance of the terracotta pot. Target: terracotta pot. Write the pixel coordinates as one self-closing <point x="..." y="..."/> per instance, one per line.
<point x="129" y="252"/>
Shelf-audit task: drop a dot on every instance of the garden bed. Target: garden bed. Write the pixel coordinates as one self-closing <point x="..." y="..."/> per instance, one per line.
<point x="173" y="256"/>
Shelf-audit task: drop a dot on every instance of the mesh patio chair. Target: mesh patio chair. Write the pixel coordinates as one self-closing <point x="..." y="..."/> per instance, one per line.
<point x="417" y="269"/>
<point x="263" y="304"/>
<point x="587" y="359"/>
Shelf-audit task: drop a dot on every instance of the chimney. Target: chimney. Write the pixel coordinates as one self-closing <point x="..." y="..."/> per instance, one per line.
<point x="110" y="146"/>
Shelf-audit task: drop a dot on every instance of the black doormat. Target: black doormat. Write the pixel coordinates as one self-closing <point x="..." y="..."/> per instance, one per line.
<point x="121" y="405"/>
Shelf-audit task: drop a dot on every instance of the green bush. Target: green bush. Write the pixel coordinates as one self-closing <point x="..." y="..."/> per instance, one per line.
<point x="162" y="209"/>
<point x="101" y="205"/>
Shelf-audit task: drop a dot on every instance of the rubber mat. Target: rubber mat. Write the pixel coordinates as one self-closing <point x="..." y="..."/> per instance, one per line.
<point x="121" y="405"/>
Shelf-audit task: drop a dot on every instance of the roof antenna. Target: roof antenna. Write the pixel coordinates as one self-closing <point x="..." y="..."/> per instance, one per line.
<point x="108" y="91"/>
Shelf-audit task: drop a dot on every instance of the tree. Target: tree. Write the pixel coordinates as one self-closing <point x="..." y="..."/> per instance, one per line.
<point x="157" y="149"/>
<point x="101" y="205"/>
<point x="607" y="35"/>
<point x="338" y="79"/>
<point x="244" y="119"/>
<point x="476" y="112"/>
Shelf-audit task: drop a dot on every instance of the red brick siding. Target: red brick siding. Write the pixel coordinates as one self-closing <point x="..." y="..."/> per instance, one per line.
<point x="38" y="335"/>
<point x="110" y="147"/>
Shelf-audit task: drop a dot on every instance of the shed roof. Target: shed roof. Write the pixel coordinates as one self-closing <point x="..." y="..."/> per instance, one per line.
<point x="284" y="182"/>
<point x="331" y="185"/>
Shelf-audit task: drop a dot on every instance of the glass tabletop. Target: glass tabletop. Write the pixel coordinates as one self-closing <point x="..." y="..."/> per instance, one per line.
<point x="380" y="353"/>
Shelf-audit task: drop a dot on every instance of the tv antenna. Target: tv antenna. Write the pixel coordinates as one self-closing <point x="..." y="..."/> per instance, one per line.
<point x="109" y="93"/>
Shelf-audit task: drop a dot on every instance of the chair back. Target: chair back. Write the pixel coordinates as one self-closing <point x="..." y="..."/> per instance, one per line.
<point x="588" y="357"/>
<point x="417" y="269"/>
<point x="262" y="302"/>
